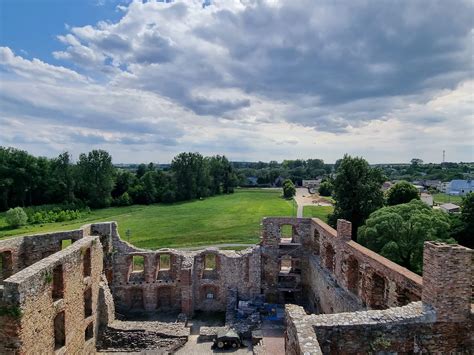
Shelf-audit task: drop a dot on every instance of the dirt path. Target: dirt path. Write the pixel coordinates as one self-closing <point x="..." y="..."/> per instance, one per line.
<point x="304" y="198"/>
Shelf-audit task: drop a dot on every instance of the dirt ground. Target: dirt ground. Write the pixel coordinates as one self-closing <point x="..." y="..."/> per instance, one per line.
<point x="193" y="347"/>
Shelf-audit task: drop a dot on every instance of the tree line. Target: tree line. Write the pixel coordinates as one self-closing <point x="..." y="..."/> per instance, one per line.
<point x="394" y="224"/>
<point x="294" y="170"/>
<point x="26" y="180"/>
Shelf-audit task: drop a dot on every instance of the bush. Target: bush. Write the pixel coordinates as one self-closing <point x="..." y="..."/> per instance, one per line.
<point x="325" y="189"/>
<point x="402" y="192"/>
<point x="16" y="217"/>
<point x="123" y="200"/>
<point x="55" y="215"/>
<point x="289" y="189"/>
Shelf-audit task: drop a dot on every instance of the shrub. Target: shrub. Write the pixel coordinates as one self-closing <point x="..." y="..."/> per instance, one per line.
<point x="289" y="189"/>
<point x="325" y="189"/>
<point x="56" y="214"/>
<point x="123" y="200"/>
<point x="402" y="192"/>
<point x="16" y="217"/>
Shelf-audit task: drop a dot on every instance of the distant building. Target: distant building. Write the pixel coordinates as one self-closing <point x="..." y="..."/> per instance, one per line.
<point x="312" y="183"/>
<point x="427" y="198"/>
<point x="460" y="187"/>
<point x="420" y="188"/>
<point x="443" y="186"/>
<point x="450" y="208"/>
<point x="432" y="183"/>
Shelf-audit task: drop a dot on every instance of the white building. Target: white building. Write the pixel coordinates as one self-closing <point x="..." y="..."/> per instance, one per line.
<point x="427" y="198"/>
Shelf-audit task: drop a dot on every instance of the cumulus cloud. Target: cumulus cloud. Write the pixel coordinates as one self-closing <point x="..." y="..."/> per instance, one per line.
<point x="270" y="75"/>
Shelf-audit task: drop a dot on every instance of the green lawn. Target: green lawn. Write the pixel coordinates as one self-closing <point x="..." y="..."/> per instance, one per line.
<point x="320" y="212"/>
<point x="444" y="198"/>
<point x="231" y="218"/>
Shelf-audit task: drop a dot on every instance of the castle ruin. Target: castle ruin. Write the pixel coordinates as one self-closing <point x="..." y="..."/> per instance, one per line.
<point x="338" y="296"/>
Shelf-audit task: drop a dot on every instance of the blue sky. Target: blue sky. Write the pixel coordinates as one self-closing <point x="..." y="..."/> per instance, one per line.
<point x="32" y="25"/>
<point x="255" y="80"/>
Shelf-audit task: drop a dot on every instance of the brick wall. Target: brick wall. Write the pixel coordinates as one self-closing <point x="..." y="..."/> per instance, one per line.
<point x="337" y="274"/>
<point x="442" y="323"/>
<point x="21" y="252"/>
<point x="186" y="286"/>
<point x="32" y="291"/>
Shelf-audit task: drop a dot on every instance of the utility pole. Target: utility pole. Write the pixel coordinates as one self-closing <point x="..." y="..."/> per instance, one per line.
<point x="444" y="155"/>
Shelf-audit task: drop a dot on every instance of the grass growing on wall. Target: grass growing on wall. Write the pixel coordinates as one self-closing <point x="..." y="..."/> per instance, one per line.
<point x="234" y="218"/>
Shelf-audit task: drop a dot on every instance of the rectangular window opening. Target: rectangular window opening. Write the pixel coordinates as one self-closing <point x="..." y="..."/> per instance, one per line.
<point x="286" y="231"/>
<point x="65" y="243"/>
<point x="58" y="283"/>
<point x="87" y="262"/>
<point x="138" y="263"/>
<point x="59" y="331"/>
<point x="165" y="262"/>
<point x="6" y="265"/>
<point x="210" y="262"/>
<point x="88" y="303"/>
<point x="285" y="264"/>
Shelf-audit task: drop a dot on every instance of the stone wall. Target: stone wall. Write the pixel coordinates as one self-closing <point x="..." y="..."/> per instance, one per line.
<point x="376" y="282"/>
<point x="21" y="252"/>
<point x="335" y="273"/>
<point x="186" y="285"/>
<point x="442" y="323"/>
<point x="282" y="258"/>
<point x="52" y="304"/>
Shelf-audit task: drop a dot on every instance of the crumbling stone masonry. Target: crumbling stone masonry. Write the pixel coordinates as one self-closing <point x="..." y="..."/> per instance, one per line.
<point x="50" y="302"/>
<point x="190" y="281"/>
<point x="374" y="305"/>
<point x="340" y="297"/>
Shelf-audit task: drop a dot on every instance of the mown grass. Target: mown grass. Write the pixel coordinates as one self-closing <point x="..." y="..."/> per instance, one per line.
<point x="445" y="198"/>
<point x="321" y="212"/>
<point x="222" y="219"/>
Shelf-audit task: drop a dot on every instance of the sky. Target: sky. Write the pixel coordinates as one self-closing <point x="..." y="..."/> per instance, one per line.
<point x="251" y="79"/>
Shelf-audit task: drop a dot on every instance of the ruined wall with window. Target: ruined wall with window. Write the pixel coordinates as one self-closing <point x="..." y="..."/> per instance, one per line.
<point x="442" y="322"/>
<point x="52" y="304"/>
<point x="21" y="252"/>
<point x="341" y="275"/>
<point x="282" y="250"/>
<point x="183" y="281"/>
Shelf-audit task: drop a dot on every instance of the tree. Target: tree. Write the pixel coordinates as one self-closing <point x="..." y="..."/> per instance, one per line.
<point x="402" y="192"/>
<point x="398" y="232"/>
<point x="463" y="225"/>
<point x="16" y="217"/>
<point x="124" y="179"/>
<point x="96" y="174"/>
<point x="416" y="161"/>
<point x="141" y="170"/>
<point x="326" y="188"/>
<point x="223" y="178"/>
<point x="289" y="189"/>
<point x="62" y="173"/>
<point x="148" y="180"/>
<point x="357" y="191"/>
<point x="191" y="174"/>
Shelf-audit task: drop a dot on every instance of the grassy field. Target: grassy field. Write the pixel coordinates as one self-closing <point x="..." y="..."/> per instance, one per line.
<point x="232" y="218"/>
<point x="320" y="212"/>
<point x="444" y="198"/>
